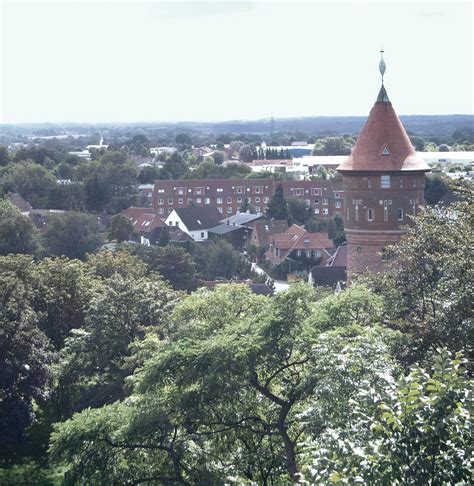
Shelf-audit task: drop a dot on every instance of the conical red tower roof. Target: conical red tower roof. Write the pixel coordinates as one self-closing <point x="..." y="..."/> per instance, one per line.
<point x="383" y="145"/>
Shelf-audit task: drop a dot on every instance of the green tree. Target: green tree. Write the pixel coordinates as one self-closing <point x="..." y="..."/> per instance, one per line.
<point x="25" y="357"/>
<point x="120" y="228"/>
<point x="234" y="382"/>
<point x="17" y="232"/>
<point x="223" y="261"/>
<point x="246" y="153"/>
<point x="72" y="234"/>
<point x="415" y="430"/>
<point x="218" y="157"/>
<point x="4" y="156"/>
<point x="278" y="207"/>
<point x="427" y="284"/>
<point x="172" y="262"/>
<point x="94" y="361"/>
<point x="104" y="264"/>
<point x="435" y="189"/>
<point x="31" y="181"/>
<point x="298" y="211"/>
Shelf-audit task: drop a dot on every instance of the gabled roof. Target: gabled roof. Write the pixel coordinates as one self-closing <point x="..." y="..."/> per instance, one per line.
<point x="268" y="227"/>
<point x="146" y="223"/>
<point x="339" y="258"/>
<point x="135" y="212"/>
<point x="197" y="218"/>
<point x="383" y="144"/>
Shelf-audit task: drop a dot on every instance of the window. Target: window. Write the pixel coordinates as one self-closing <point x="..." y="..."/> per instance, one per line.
<point x="198" y="200"/>
<point x="385" y="210"/>
<point x="337" y="195"/>
<point x="385" y="182"/>
<point x="202" y="234"/>
<point x="257" y="199"/>
<point x="308" y="253"/>
<point x="325" y="211"/>
<point x="181" y="190"/>
<point x="207" y="200"/>
<point x="414" y="182"/>
<point x="239" y="190"/>
<point x="199" y="190"/>
<point x="400" y="214"/>
<point x="219" y="200"/>
<point x="229" y="210"/>
<point x="316" y="210"/>
<point x="315" y="191"/>
<point x="370" y="214"/>
<point x="265" y="199"/>
<point x="347" y="214"/>
<point x="257" y="190"/>
<point x="239" y="199"/>
<point x="219" y="189"/>
<point x="180" y="201"/>
<point x="298" y="192"/>
<point x="257" y="209"/>
<point x="161" y="201"/>
<point x="161" y="211"/>
<point x="325" y="202"/>
<point x="316" y="201"/>
<point x="170" y="200"/>
<point x="219" y="209"/>
<point x="190" y="200"/>
<point x="369" y="183"/>
<point x="401" y="183"/>
<point x="176" y="223"/>
<point x="229" y="200"/>
<point x="338" y="204"/>
<point x="161" y="191"/>
<point x="317" y="253"/>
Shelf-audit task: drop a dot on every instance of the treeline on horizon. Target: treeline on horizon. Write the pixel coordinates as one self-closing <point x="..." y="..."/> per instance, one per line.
<point x="109" y="375"/>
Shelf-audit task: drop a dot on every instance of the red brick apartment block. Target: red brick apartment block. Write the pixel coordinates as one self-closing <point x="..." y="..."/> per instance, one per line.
<point x="324" y="197"/>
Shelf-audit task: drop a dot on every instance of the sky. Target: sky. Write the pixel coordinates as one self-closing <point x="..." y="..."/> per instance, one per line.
<point x="131" y="61"/>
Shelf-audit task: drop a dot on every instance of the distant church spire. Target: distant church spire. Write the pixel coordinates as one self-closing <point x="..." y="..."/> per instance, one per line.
<point x="383" y="96"/>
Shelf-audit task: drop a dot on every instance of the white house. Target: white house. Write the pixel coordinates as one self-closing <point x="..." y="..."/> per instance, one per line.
<point x="195" y="221"/>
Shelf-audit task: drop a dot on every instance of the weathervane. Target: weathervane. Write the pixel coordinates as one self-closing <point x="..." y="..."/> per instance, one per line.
<point x="382" y="65"/>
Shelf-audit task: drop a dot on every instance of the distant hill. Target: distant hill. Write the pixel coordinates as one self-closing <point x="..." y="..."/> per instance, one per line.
<point x="428" y="125"/>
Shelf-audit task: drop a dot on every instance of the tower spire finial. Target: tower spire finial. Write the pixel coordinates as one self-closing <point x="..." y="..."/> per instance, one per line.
<point x="382" y="65"/>
<point x="382" y="97"/>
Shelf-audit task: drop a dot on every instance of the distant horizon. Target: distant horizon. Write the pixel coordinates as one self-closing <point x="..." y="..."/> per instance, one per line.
<point x="242" y="120"/>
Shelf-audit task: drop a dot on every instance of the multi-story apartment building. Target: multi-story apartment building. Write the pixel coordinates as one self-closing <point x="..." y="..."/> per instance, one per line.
<point x="324" y="197"/>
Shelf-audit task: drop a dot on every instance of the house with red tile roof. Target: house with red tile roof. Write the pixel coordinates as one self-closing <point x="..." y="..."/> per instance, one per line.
<point x="297" y="243"/>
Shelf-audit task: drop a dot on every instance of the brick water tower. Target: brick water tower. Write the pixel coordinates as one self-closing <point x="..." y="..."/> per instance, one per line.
<point x="384" y="182"/>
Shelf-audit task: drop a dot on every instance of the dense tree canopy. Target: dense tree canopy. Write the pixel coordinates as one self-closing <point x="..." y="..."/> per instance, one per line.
<point x="17" y="232"/>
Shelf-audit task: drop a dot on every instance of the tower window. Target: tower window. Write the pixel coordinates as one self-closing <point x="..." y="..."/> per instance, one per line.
<point x="400" y="214"/>
<point x="370" y="214"/>
<point x="385" y="182"/>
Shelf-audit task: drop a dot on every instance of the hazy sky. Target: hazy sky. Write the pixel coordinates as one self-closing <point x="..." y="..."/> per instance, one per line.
<point x="90" y="61"/>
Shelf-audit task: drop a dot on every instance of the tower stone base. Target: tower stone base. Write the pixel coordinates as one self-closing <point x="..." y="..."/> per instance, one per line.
<point x="364" y="250"/>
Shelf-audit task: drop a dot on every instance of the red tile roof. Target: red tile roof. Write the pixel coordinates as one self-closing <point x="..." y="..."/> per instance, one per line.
<point x="135" y="212"/>
<point x="383" y="145"/>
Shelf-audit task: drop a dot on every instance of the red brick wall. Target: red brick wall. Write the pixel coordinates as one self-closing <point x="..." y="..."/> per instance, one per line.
<point x="374" y="215"/>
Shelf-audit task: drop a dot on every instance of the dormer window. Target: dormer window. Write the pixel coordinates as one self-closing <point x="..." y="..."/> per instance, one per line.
<point x="385" y="151"/>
